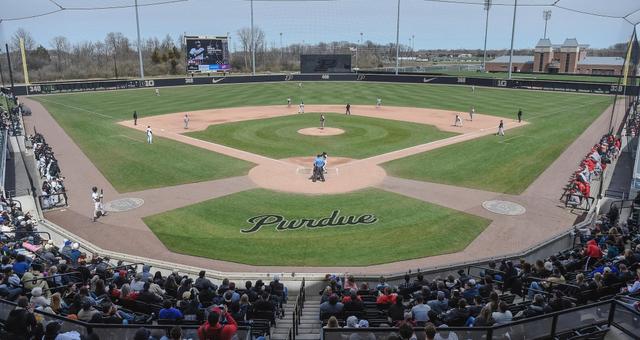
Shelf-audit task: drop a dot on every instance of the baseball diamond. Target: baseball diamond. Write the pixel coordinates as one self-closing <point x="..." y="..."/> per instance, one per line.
<point x="320" y="170"/>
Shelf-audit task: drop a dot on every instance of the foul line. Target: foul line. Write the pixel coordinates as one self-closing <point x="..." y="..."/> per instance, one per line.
<point x="77" y="108"/>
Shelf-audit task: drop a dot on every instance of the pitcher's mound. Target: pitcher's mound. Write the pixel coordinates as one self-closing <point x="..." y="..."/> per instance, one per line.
<point x="316" y="131"/>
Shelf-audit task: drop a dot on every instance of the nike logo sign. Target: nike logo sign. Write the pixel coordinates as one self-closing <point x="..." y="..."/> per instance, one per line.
<point x="216" y="80"/>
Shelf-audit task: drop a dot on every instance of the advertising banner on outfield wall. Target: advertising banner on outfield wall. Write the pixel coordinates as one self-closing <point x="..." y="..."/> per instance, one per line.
<point x="560" y="86"/>
<point x="207" y="54"/>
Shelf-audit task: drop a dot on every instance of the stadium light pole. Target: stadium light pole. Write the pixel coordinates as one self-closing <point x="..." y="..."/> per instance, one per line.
<point x="546" y="15"/>
<point x="513" y="34"/>
<point x="281" y="47"/>
<point x="253" y="45"/>
<point x="398" y="39"/>
<point x="487" y="7"/>
<point x="139" y="45"/>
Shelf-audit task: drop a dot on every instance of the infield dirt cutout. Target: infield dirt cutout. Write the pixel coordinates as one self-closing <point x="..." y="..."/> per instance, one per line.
<point x="343" y="174"/>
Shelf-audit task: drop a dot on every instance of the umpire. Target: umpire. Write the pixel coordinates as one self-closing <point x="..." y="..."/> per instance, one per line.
<point x="318" y="168"/>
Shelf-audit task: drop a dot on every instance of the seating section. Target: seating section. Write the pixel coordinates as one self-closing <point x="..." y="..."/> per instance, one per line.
<point x="605" y="264"/>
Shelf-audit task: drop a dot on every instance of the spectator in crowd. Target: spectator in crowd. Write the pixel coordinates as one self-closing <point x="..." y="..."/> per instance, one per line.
<point x="331" y="307"/>
<point x="169" y="312"/>
<point x="220" y="325"/>
<point x="21" y="321"/>
<point x="440" y="305"/>
<point x="503" y="315"/>
<point x="420" y="311"/>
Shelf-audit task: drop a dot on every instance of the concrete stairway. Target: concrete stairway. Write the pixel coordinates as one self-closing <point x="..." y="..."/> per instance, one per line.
<point x="310" y="326"/>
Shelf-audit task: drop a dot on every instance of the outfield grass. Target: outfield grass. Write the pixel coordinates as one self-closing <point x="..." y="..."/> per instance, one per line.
<point x="124" y="158"/>
<point x="557" y="118"/>
<point x="363" y="137"/>
<point x="506" y="164"/>
<point x="406" y="229"/>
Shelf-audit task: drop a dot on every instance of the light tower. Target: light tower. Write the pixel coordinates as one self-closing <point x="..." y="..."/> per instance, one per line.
<point x="487" y="6"/>
<point x="546" y="15"/>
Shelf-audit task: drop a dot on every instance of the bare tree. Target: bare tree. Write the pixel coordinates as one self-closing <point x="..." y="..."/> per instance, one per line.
<point x="29" y="42"/>
<point x="61" y="47"/>
<point x="245" y="41"/>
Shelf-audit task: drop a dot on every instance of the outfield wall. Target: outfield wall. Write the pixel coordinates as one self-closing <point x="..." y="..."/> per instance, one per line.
<point x="546" y="85"/>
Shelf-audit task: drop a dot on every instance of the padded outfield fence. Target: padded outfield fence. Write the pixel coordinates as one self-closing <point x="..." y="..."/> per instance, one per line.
<point x="546" y="85"/>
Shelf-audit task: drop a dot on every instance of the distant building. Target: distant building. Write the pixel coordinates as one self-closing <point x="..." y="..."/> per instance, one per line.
<point x="569" y="58"/>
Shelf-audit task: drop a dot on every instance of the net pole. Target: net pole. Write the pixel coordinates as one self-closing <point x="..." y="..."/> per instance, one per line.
<point x="513" y="34"/>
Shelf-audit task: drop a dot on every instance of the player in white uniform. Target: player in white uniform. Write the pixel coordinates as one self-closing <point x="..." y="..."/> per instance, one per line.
<point x="186" y="120"/>
<point x="289" y="102"/>
<point x="301" y="107"/>
<point x="472" y="112"/>
<point x="98" y="209"/>
<point x="149" y="135"/>
<point x="458" y="121"/>
<point x="473" y="89"/>
<point x="322" y="121"/>
<point x="378" y="103"/>
<point x="157" y="92"/>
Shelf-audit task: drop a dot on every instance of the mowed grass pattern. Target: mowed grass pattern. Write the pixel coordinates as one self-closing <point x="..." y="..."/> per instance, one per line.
<point x="279" y="137"/>
<point x="120" y="154"/>
<point x="406" y="229"/>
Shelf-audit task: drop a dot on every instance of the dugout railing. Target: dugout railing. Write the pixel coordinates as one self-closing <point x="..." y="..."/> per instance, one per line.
<point x="591" y="321"/>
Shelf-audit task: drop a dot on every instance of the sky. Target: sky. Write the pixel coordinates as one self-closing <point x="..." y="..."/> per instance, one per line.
<point x="432" y="25"/>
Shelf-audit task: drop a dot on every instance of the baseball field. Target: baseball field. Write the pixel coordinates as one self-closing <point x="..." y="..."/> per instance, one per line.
<point x="247" y="131"/>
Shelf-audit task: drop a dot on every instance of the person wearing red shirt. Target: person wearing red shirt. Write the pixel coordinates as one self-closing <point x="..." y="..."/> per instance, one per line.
<point x="220" y="325"/>
<point x="387" y="297"/>
<point x="592" y="250"/>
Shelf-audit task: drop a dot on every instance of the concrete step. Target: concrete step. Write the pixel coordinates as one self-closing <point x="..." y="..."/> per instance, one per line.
<point x="301" y="325"/>
<point x="315" y="330"/>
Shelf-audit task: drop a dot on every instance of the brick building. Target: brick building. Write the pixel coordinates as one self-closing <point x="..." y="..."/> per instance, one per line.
<point x="569" y="58"/>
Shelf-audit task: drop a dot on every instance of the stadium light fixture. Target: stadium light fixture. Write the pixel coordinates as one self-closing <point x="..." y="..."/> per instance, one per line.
<point x="487" y="7"/>
<point x="513" y="34"/>
<point x="546" y="15"/>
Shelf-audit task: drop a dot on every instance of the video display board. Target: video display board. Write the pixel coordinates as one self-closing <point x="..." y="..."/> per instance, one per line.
<point x="207" y="54"/>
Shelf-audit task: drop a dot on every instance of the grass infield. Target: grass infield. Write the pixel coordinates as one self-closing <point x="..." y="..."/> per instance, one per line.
<point x="363" y="137"/>
<point x="405" y="229"/>
<point x="509" y="166"/>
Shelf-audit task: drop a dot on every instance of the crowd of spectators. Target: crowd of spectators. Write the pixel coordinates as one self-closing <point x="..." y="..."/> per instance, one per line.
<point x="53" y="190"/>
<point x="10" y="111"/>
<point x="590" y="168"/>
<point x="64" y="281"/>
<point x="607" y="263"/>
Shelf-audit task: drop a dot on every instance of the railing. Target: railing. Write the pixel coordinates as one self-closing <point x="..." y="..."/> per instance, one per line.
<point x="3" y="153"/>
<point x="110" y="331"/>
<point x="297" y="312"/>
<point x="596" y="317"/>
